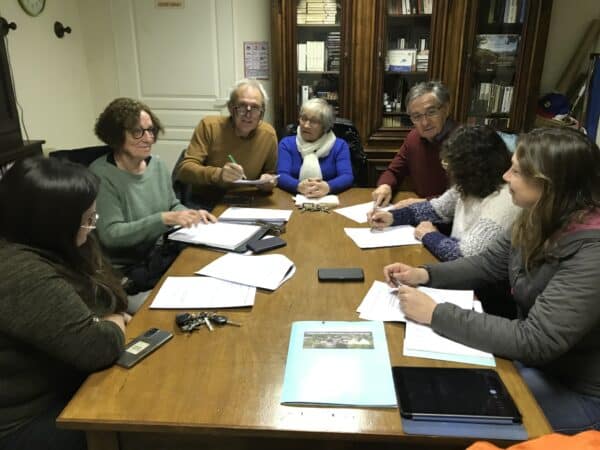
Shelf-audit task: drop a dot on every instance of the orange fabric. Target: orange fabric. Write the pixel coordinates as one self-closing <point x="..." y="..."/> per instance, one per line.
<point x="587" y="440"/>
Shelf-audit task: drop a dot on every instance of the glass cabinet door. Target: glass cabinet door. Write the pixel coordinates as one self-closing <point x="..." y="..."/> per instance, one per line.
<point x="495" y="61"/>
<point x="407" y="44"/>
<point x="319" y="50"/>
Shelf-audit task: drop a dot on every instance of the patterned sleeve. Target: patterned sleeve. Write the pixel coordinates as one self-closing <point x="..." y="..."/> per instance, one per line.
<point x="415" y="214"/>
<point x="479" y="236"/>
<point x="445" y="205"/>
<point x="442" y="247"/>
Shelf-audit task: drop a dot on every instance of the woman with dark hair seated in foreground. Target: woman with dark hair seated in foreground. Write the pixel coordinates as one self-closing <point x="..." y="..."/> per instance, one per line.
<point x="551" y="258"/>
<point x="61" y="308"/>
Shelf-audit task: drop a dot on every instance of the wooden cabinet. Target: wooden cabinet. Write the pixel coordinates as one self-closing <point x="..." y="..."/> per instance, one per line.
<point x="477" y="48"/>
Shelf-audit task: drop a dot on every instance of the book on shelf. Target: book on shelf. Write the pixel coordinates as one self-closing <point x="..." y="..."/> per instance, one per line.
<point x="506" y="11"/>
<point x="334" y="50"/>
<point x="315" y="56"/>
<point x="491" y="98"/>
<point x="495" y="50"/>
<point x="402" y="60"/>
<point x="301" y="51"/>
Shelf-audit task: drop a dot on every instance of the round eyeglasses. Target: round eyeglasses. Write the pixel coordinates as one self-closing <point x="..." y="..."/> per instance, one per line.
<point x="430" y="114"/>
<point x="310" y="121"/>
<point x="138" y="132"/>
<point x="91" y="222"/>
<point x="248" y="110"/>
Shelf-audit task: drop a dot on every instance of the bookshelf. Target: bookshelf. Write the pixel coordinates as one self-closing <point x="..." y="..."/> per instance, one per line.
<point x="460" y="42"/>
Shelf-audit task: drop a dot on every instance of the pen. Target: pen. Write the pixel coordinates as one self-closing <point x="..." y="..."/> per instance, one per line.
<point x="232" y="159"/>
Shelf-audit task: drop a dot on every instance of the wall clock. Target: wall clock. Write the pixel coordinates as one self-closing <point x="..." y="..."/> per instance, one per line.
<point x="33" y="7"/>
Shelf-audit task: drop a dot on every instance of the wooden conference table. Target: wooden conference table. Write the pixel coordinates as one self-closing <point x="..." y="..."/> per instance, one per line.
<point x="221" y="390"/>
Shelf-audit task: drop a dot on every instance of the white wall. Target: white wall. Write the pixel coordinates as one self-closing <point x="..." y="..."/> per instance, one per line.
<point x="51" y="75"/>
<point x="568" y="24"/>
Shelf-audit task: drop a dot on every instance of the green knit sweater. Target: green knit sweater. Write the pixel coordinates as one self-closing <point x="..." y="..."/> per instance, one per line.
<point x="50" y="339"/>
<point x="130" y="208"/>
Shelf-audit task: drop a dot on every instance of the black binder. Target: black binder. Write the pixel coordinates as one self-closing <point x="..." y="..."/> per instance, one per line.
<point x="453" y="395"/>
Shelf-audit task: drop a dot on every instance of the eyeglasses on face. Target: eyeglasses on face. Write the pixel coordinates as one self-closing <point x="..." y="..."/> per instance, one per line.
<point x="248" y="110"/>
<point x="138" y="132"/>
<point x="311" y="121"/>
<point x="430" y="114"/>
<point x="91" y="221"/>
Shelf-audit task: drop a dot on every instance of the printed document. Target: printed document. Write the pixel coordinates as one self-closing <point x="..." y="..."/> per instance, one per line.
<point x="329" y="200"/>
<point x="202" y="292"/>
<point x="388" y="237"/>
<point x="255" y="182"/>
<point x="228" y="236"/>
<point x="236" y="213"/>
<point x="262" y="271"/>
<point x="358" y="213"/>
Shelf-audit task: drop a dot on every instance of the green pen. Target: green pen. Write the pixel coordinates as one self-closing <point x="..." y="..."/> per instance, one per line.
<point x="232" y="159"/>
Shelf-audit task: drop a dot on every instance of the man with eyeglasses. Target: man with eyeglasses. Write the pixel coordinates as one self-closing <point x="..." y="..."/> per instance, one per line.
<point x="226" y="149"/>
<point x="428" y="105"/>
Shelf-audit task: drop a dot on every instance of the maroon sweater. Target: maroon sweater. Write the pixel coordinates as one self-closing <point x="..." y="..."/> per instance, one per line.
<point x="420" y="159"/>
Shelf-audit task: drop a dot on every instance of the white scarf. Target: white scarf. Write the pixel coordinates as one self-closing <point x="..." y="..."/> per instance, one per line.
<point x="311" y="152"/>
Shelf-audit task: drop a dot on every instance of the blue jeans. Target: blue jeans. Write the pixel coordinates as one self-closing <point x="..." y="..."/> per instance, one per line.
<point x="567" y="411"/>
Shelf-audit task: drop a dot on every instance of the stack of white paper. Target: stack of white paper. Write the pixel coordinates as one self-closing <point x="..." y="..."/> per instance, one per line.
<point x="388" y="237"/>
<point x="329" y="200"/>
<point x="262" y="271"/>
<point x="358" y="213"/>
<point x="238" y="214"/>
<point x="228" y="236"/>
<point x="202" y="292"/>
<point x="255" y="182"/>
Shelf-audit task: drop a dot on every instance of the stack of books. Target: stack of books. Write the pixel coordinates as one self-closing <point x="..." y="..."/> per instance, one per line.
<point x="403" y="7"/>
<point x="334" y="51"/>
<point x="423" y="61"/>
<point x="316" y="12"/>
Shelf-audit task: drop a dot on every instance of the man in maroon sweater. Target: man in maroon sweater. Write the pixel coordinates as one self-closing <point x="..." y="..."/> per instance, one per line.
<point x="428" y="105"/>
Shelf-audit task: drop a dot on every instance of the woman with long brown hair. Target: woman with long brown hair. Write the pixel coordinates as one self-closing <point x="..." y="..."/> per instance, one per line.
<point x="551" y="258"/>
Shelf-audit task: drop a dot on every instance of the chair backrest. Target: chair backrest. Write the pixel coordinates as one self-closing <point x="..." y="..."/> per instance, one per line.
<point x="184" y="192"/>
<point x="345" y="129"/>
<point x="84" y="156"/>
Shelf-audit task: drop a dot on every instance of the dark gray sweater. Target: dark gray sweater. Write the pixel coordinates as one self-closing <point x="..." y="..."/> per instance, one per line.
<point x="558" y="329"/>
<point x="50" y="339"/>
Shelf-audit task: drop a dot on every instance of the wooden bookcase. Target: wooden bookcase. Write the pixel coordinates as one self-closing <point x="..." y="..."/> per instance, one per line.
<point x="370" y="30"/>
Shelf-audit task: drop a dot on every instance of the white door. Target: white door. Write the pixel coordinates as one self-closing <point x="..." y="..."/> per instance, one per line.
<point x="179" y="61"/>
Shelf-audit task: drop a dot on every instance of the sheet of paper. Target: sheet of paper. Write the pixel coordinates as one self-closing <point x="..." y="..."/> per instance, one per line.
<point x="358" y="213"/>
<point x="255" y="182"/>
<point x="388" y="237"/>
<point x="202" y="292"/>
<point x="263" y="271"/>
<point x="381" y="302"/>
<point x="239" y="213"/>
<point x="326" y="200"/>
<point x="221" y="234"/>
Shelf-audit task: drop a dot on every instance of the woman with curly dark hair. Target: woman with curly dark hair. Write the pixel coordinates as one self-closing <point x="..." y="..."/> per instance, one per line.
<point x="136" y="202"/>
<point x="478" y="204"/>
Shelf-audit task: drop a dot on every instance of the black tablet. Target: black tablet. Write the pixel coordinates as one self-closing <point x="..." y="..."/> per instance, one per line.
<point x="453" y="394"/>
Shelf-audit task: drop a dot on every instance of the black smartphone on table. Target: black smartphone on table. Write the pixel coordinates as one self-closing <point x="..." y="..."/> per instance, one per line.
<point x="142" y="346"/>
<point x="341" y="274"/>
<point x="264" y="245"/>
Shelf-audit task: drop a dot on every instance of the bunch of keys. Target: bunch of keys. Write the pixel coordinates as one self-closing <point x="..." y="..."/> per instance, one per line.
<point x="189" y="322"/>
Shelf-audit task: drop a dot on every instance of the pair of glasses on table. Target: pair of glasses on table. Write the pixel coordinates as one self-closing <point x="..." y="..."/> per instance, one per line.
<point x="315" y="207"/>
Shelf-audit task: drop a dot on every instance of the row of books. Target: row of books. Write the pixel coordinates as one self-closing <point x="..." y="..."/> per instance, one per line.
<point x="506" y="11"/>
<point x="490" y="98"/>
<point x="498" y="123"/>
<point x="311" y="56"/>
<point x="316" y="12"/>
<point x="307" y="92"/>
<point x="407" y="60"/>
<point x="405" y="7"/>
<point x="403" y="43"/>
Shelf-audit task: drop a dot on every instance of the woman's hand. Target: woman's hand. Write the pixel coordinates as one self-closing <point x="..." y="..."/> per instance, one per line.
<point x="187" y="217"/>
<point x="398" y="273"/>
<point x="269" y="185"/>
<point x="407" y="202"/>
<point x="117" y="319"/>
<point x="313" y="188"/>
<point x="379" y="219"/>
<point x="416" y="305"/>
<point x="424" y="228"/>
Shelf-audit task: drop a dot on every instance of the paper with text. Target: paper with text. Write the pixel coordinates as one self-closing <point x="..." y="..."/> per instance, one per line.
<point x="388" y="237"/>
<point x="330" y="200"/>
<point x="262" y="271"/>
<point x="224" y="235"/>
<point x="238" y="213"/>
<point x="202" y="292"/>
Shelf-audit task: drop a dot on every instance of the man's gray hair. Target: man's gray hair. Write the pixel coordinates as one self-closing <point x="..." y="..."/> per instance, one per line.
<point x="246" y="82"/>
<point x="322" y="109"/>
<point x="429" y="87"/>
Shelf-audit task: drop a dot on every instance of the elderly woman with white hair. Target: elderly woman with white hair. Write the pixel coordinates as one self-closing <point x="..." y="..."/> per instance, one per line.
<point x="314" y="162"/>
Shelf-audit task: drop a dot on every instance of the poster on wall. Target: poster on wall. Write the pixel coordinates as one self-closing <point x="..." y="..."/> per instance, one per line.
<point x="256" y="60"/>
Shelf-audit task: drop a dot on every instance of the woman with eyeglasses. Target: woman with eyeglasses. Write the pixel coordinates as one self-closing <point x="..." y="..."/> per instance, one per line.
<point x="478" y="205"/>
<point x="136" y="202"/>
<point x="61" y="307"/>
<point x="314" y="162"/>
<point x="551" y="258"/>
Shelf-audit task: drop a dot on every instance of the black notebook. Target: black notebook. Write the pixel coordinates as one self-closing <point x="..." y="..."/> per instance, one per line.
<point x="449" y="394"/>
